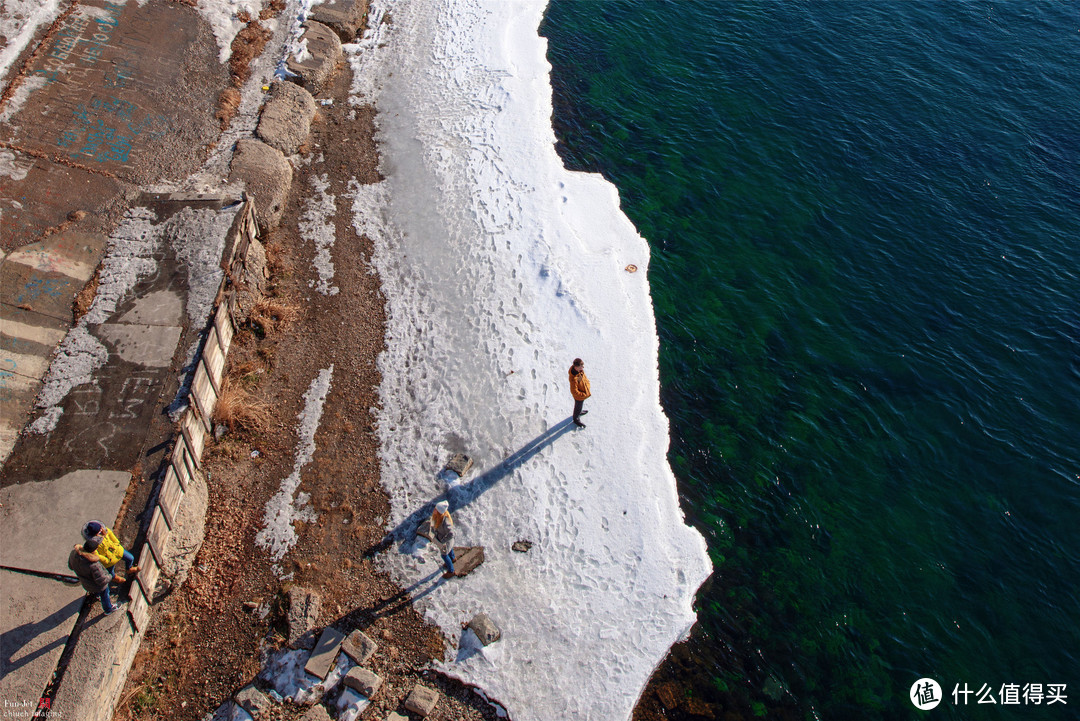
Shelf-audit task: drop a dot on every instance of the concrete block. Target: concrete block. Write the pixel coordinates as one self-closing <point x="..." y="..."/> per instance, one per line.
<point x="71" y="253"/>
<point x="17" y="395"/>
<point x="266" y="175"/>
<point x="286" y="118"/>
<point x="28" y="365"/>
<point x="485" y="629"/>
<point x="467" y="558"/>
<point x="304" y="606"/>
<point x="323" y="54"/>
<point x="344" y="17"/>
<point x="359" y="647"/>
<point x="254" y="701"/>
<point x="52" y="513"/>
<point x="421" y="700"/>
<point x="364" y="682"/>
<point x="50" y="294"/>
<point x="325" y="653"/>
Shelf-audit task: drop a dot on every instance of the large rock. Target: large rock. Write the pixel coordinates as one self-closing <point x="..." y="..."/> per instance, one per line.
<point x="266" y="175"/>
<point x="466" y="558"/>
<point x="421" y="700"/>
<point x="316" y="66"/>
<point x="304" y="608"/>
<point x="485" y="629"/>
<point x="364" y="682"/>
<point x="254" y="701"/>
<point x="286" y="118"/>
<point x="316" y="713"/>
<point x="345" y="17"/>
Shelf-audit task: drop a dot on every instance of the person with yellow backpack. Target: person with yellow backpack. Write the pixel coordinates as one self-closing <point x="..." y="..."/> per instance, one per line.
<point x="109" y="548"/>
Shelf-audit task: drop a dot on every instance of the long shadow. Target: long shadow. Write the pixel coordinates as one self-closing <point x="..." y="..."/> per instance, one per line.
<point x="466" y="493"/>
<point x="13" y="641"/>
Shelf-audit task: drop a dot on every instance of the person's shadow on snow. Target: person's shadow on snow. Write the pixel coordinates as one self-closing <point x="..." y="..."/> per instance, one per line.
<point x="466" y="493"/>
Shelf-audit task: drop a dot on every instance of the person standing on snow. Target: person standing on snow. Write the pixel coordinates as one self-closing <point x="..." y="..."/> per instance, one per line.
<point x="579" y="389"/>
<point x="442" y="531"/>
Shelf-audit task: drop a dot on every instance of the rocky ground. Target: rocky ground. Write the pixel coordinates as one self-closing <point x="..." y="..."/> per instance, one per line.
<point x="204" y="642"/>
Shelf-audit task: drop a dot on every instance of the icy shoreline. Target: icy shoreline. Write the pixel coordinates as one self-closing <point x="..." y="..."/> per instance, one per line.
<point x="499" y="267"/>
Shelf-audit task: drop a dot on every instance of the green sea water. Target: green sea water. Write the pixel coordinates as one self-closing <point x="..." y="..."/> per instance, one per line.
<point x="865" y="227"/>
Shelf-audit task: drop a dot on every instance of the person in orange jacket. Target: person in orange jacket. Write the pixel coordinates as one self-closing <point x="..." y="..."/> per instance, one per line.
<point x="579" y="389"/>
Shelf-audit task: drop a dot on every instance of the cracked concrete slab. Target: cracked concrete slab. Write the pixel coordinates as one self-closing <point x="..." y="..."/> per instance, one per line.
<point x="144" y="345"/>
<point x="52" y="513"/>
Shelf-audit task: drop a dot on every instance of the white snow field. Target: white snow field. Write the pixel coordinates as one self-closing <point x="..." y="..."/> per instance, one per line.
<point x="500" y="267"/>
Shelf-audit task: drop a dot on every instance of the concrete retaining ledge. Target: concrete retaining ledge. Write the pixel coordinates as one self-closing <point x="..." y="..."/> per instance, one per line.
<point x="286" y="118"/>
<point x="266" y="174"/>
<point x="345" y="17"/>
<point x="320" y="62"/>
<point x="99" y="666"/>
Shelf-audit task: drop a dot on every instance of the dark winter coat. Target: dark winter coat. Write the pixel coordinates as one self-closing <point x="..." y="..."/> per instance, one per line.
<point x="91" y="573"/>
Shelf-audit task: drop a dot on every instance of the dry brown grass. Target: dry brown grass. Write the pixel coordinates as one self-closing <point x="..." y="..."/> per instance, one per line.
<point x="272" y="10"/>
<point x="236" y="409"/>
<point x="277" y="261"/>
<point x="272" y="314"/>
<point x="246" y="46"/>
<point x="85" y="297"/>
<point x="228" y="104"/>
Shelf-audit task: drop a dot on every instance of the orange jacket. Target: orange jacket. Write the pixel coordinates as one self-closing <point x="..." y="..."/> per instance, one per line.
<point x="579" y="385"/>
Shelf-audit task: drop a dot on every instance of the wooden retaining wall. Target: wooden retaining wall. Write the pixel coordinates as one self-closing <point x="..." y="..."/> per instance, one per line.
<point x="194" y="426"/>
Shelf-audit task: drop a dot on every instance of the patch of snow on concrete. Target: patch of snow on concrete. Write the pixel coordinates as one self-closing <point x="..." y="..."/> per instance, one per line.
<point x="28" y="85"/>
<point x="295" y="46"/>
<point x="317" y="227"/>
<point x="301" y="53"/>
<point x="221" y="15"/>
<point x="130" y="258"/>
<point x="73" y="365"/>
<point x="198" y="238"/>
<point x="278" y="534"/>
<point x="12" y="167"/>
<point x="19" y="21"/>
